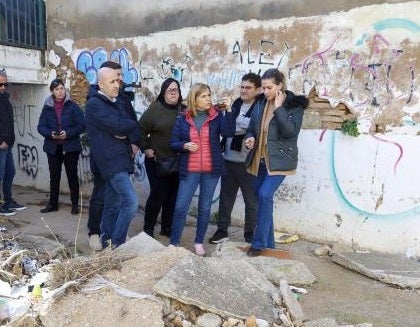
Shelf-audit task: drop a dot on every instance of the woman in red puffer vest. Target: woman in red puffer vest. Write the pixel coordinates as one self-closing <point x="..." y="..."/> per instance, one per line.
<point x="196" y="136"/>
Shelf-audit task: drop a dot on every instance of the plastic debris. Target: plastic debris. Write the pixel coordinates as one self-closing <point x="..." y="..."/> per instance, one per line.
<point x="284" y="238"/>
<point x="29" y="265"/>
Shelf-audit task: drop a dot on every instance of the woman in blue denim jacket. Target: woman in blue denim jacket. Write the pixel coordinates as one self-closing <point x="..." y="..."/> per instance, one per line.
<point x="272" y="138"/>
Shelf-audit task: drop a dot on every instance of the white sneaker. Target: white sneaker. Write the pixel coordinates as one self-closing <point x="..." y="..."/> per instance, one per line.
<point x="95" y="242"/>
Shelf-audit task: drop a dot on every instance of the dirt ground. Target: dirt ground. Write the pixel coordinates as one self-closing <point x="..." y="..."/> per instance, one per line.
<point x="348" y="297"/>
<point x="339" y="293"/>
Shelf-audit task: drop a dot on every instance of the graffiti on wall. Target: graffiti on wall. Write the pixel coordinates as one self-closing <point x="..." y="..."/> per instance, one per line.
<point x="28" y="159"/>
<point x="89" y="63"/>
<point x="369" y="74"/>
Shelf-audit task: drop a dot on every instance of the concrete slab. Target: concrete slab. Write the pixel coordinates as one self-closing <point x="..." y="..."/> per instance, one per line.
<point x="229" y="288"/>
<point x="391" y="269"/>
<point x="295" y="272"/>
<point x="141" y="244"/>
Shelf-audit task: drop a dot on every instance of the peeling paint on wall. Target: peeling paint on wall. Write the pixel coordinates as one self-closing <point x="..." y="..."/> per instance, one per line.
<point x="369" y="68"/>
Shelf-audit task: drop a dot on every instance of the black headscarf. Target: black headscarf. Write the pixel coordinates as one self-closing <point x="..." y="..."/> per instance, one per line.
<point x="163" y="88"/>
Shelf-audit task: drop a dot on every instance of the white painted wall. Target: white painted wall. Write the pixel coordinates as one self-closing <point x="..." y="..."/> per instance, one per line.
<point x="23" y="65"/>
<point x="358" y="191"/>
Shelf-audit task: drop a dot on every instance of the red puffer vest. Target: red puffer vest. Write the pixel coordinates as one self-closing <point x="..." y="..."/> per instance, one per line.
<point x="201" y="161"/>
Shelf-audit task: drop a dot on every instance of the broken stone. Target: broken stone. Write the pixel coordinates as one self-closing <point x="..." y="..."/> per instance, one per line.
<point x="209" y="320"/>
<point x="223" y="287"/>
<point x="231" y="322"/>
<point x="292" y="305"/>
<point x="324" y="322"/>
<point x="251" y="321"/>
<point x="262" y="323"/>
<point x="141" y="244"/>
<point x="394" y="270"/>
<point x="323" y="250"/>
<point x="295" y="272"/>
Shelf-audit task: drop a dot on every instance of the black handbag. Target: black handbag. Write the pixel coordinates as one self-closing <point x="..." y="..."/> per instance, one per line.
<point x="166" y="167"/>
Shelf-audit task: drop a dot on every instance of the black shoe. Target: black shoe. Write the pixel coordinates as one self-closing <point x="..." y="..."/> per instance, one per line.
<point x="75" y="210"/>
<point x="219" y="237"/>
<point x="254" y="252"/>
<point x="248" y="236"/>
<point x="165" y="232"/>
<point x="49" y="208"/>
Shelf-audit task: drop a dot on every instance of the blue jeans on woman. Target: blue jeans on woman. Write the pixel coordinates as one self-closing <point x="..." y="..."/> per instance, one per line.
<point x="265" y="187"/>
<point x="187" y="188"/>
<point x="120" y="207"/>
<point x="7" y="173"/>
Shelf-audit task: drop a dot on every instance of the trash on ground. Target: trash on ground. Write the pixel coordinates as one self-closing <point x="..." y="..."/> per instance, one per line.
<point x="285" y="238"/>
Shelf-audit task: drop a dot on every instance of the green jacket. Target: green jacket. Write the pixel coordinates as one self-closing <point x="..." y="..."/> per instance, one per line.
<point x="156" y="125"/>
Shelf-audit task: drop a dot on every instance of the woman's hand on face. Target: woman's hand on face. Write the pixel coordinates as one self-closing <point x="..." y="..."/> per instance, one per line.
<point x="280" y="97"/>
<point x="149" y="153"/>
<point x="191" y="146"/>
<point x="249" y="143"/>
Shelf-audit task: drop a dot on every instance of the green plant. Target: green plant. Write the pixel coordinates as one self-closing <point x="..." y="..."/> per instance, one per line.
<point x="349" y="127"/>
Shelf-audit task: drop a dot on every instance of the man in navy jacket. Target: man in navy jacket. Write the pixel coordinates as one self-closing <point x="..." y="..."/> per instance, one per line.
<point x="97" y="198"/>
<point x="111" y="132"/>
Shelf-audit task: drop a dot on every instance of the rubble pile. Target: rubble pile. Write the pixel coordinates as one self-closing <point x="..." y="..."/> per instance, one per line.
<point x="162" y="287"/>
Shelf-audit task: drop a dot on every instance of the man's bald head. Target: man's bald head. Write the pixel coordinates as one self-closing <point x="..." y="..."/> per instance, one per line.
<point x="108" y="82"/>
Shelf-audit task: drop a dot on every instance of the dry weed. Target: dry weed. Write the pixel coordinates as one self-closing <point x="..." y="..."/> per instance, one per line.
<point x="83" y="268"/>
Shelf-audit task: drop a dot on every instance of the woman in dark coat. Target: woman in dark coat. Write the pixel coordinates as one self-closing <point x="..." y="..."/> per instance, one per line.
<point x="272" y="137"/>
<point x="156" y="125"/>
<point x="61" y="123"/>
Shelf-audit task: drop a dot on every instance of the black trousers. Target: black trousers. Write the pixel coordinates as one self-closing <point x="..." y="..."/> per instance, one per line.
<point x="96" y="204"/>
<point x="55" y="162"/>
<point x="163" y="192"/>
<point x="237" y="178"/>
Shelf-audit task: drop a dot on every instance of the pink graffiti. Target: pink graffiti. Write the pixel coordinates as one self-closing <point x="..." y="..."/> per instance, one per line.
<point x="320" y="56"/>
<point x="397" y="145"/>
<point x="354" y="64"/>
<point x="376" y="39"/>
<point x="321" y="136"/>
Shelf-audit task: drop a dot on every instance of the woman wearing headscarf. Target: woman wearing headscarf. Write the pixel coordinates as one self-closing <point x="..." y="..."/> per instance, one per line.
<point x="61" y="122"/>
<point x="156" y="125"/>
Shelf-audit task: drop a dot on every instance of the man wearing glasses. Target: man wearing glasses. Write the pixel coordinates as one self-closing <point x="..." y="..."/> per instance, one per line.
<point x="235" y="154"/>
<point x="7" y="139"/>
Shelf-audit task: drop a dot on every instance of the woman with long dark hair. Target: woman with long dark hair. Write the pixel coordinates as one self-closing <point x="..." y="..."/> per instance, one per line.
<point x="156" y="125"/>
<point x="272" y="138"/>
<point x="61" y="122"/>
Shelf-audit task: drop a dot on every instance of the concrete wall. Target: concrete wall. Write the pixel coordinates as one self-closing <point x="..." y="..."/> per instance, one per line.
<point x="359" y="191"/>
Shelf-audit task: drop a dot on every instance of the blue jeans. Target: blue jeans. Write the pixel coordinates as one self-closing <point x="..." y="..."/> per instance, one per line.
<point x="265" y="187"/>
<point x="7" y="173"/>
<point x="187" y="188"/>
<point x="120" y="207"/>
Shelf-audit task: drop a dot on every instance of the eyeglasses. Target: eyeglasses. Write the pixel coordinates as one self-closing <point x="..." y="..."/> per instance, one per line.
<point x="175" y="90"/>
<point x="4" y="84"/>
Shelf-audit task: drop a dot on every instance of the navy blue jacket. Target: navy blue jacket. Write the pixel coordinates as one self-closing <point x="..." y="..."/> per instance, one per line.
<point x="72" y="121"/>
<point x="111" y="132"/>
<point x="283" y="132"/>
<point x="222" y="125"/>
